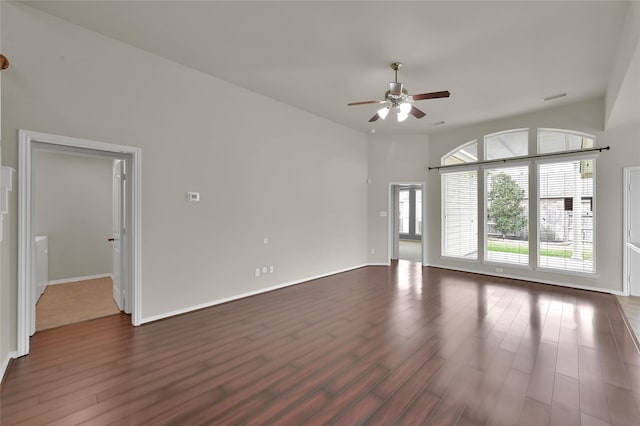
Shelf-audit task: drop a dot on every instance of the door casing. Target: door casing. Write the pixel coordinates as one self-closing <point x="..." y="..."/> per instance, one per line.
<point x="626" y="229"/>
<point x="393" y="221"/>
<point x="29" y="142"/>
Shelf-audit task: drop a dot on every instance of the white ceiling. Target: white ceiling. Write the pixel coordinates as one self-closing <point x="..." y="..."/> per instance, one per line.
<point x="496" y="58"/>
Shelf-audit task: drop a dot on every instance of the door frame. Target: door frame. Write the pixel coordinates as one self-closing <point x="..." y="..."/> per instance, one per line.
<point x="29" y="142"/>
<point x="117" y="239"/>
<point x="393" y="219"/>
<point x="626" y="288"/>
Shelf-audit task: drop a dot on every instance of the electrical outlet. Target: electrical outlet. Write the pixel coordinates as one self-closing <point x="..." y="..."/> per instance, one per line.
<point x="271" y="269"/>
<point x="264" y="269"/>
<point x="257" y="272"/>
<point x="373" y="251"/>
<point x="499" y="270"/>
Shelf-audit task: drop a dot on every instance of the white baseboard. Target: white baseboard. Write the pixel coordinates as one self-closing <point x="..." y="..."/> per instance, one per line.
<point x="243" y="295"/>
<point x="533" y="280"/>
<point x="76" y="279"/>
<point x="5" y="364"/>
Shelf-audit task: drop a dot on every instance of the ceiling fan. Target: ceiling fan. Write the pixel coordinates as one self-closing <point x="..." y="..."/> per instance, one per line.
<point x="398" y="98"/>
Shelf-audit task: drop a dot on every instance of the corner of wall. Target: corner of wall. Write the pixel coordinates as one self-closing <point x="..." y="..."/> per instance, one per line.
<point x="624" y="76"/>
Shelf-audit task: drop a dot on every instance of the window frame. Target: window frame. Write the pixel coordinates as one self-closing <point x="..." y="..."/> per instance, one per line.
<point x="571" y="132"/>
<point x="533" y="190"/>
<point x="504" y="132"/>
<point x="460" y="148"/>
<point x="485" y="211"/>
<point x="467" y="167"/>
<point x="594" y="201"/>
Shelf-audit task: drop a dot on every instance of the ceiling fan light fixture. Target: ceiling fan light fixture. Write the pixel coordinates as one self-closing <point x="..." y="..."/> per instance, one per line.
<point x="405" y="107"/>
<point x="399" y="99"/>
<point x="383" y="112"/>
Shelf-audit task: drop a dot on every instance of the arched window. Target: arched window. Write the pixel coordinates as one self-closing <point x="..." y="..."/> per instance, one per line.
<point x="507" y="199"/>
<point x="564" y="201"/>
<point x="554" y="140"/>
<point x="467" y="153"/>
<point x="460" y="203"/>
<point x="511" y="143"/>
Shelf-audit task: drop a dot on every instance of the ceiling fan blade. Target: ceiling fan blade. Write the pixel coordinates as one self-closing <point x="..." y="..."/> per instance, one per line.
<point x="374" y="118"/>
<point x="416" y="112"/>
<point x="432" y="95"/>
<point x="364" y="103"/>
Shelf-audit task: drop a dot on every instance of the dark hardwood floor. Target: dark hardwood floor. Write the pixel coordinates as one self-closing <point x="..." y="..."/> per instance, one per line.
<point x="375" y="346"/>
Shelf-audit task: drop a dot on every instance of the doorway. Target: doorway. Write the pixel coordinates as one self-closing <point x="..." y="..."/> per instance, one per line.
<point x="31" y="142"/>
<point x="73" y="212"/>
<point x="407" y="222"/>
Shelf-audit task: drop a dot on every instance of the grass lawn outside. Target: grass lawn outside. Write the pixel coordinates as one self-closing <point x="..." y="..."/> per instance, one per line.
<point x="522" y="247"/>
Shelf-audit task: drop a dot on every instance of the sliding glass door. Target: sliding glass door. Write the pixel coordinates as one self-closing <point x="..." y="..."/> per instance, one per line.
<point x="410" y="213"/>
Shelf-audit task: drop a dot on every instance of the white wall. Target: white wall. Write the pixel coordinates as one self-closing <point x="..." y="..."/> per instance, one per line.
<point x="264" y="169"/>
<point x="73" y="207"/>
<point x="392" y="159"/>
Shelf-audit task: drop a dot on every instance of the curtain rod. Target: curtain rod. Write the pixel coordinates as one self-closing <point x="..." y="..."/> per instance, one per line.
<point x="524" y="157"/>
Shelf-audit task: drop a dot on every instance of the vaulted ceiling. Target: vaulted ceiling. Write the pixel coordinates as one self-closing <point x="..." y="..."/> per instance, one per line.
<point x="496" y="58"/>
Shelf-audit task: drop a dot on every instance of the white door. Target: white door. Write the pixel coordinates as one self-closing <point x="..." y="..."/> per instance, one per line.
<point x="116" y="238"/>
<point x="42" y="266"/>
<point x="634" y="207"/>
<point x="633" y="232"/>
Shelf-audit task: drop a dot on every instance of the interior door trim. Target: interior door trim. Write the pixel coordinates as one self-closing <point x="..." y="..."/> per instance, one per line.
<point x="30" y="141"/>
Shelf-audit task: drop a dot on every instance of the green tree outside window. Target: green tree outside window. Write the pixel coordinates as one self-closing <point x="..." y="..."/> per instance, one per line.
<point x="505" y="208"/>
